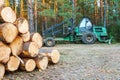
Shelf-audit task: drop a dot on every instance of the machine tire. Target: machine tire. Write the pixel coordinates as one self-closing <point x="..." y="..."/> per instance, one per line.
<point x="49" y="42"/>
<point x="88" y="38"/>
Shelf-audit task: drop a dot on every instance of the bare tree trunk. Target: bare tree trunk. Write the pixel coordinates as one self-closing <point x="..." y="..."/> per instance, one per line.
<point x="35" y="10"/>
<point x="31" y="16"/>
<point x="105" y="9"/>
<point x="73" y="12"/>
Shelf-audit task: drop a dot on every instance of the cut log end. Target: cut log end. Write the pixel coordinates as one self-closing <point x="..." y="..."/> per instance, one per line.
<point x="13" y="63"/>
<point x="22" y="25"/>
<point x="2" y="71"/>
<point x="26" y="36"/>
<point x="42" y="62"/>
<point x="1" y="3"/>
<point x="33" y="49"/>
<point x="16" y="46"/>
<point x="8" y="15"/>
<point x="5" y="52"/>
<point x="52" y="54"/>
<point x="55" y="56"/>
<point x="9" y="32"/>
<point x="30" y="65"/>
<point x="36" y="37"/>
<point x="30" y="49"/>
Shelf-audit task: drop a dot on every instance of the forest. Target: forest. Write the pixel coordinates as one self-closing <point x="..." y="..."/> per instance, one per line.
<point x="51" y="12"/>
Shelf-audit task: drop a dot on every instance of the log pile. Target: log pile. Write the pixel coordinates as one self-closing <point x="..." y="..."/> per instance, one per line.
<point x="20" y="49"/>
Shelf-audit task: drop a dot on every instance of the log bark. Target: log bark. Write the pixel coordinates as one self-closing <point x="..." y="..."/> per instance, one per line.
<point x="41" y="62"/>
<point x="8" y="15"/>
<point x="36" y="37"/>
<point x="17" y="46"/>
<point x="5" y="52"/>
<point x="13" y="64"/>
<point x="29" y="65"/>
<point x="30" y="49"/>
<point x="25" y="36"/>
<point x="2" y="71"/>
<point x="1" y="26"/>
<point x="52" y="54"/>
<point x="9" y="32"/>
<point x="22" y="24"/>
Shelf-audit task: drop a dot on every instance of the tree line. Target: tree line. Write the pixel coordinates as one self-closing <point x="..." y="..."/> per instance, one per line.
<point x="51" y="12"/>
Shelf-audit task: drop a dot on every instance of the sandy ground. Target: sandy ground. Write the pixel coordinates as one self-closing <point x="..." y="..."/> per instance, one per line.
<point x="78" y="62"/>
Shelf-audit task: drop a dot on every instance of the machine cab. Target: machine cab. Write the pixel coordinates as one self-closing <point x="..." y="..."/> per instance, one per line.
<point x="85" y="25"/>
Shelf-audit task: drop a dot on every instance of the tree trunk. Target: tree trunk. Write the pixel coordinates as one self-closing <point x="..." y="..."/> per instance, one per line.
<point x="5" y="52"/>
<point x="16" y="46"/>
<point x="30" y="15"/>
<point x="23" y="26"/>
<point x="29" y="65"/>
<point x="36" y="37"/>
<point x="41" y="62"/>
<point x="8" y="15"/>
<point x="30" y="49"/>
<point x="35" y="12"/>
<point x="13" y="64"/>
<point x="25" y="36"/>
<point x="52" y="54"/>
<point x="2" y="71"/>
<point x="9" y="32"/>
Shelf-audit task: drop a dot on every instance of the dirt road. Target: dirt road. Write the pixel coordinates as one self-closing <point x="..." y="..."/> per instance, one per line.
<point x="79" y="62"/>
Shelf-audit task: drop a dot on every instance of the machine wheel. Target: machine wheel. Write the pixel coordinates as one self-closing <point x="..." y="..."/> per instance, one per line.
<point x="88" y="38"/>
<point x="49" y="42"/>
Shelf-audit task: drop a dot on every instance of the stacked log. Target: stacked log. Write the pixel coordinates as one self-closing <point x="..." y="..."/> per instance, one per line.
<point x="2" y="71"/>
<point x="12" y="64"/>
<point x="52" y="54"/>
<point x="8" y="15"/>
<point x="5" y="52"/>
<point x="29" y="65"/>
<point x="41" y="62"/>
<point x="20" y="49"/>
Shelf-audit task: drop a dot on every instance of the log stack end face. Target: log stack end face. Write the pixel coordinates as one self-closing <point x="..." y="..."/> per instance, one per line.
<point x="5" y="52"/>
<point x="13" y="63"/>
<point x="9" y="32"/>
<point x="22" y="25"/>
<point x="30" y="65"/>
<point x="55" y="56"/>
<point x="33" y="49"/>
<point x="19" y="45"/>
<point x="8" y="14"/>
<point x="36" y="37"/>
<point x="43" y="63"/>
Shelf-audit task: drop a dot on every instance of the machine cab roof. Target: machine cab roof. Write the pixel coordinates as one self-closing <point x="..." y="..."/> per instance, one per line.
<point x="85" y="25"/>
